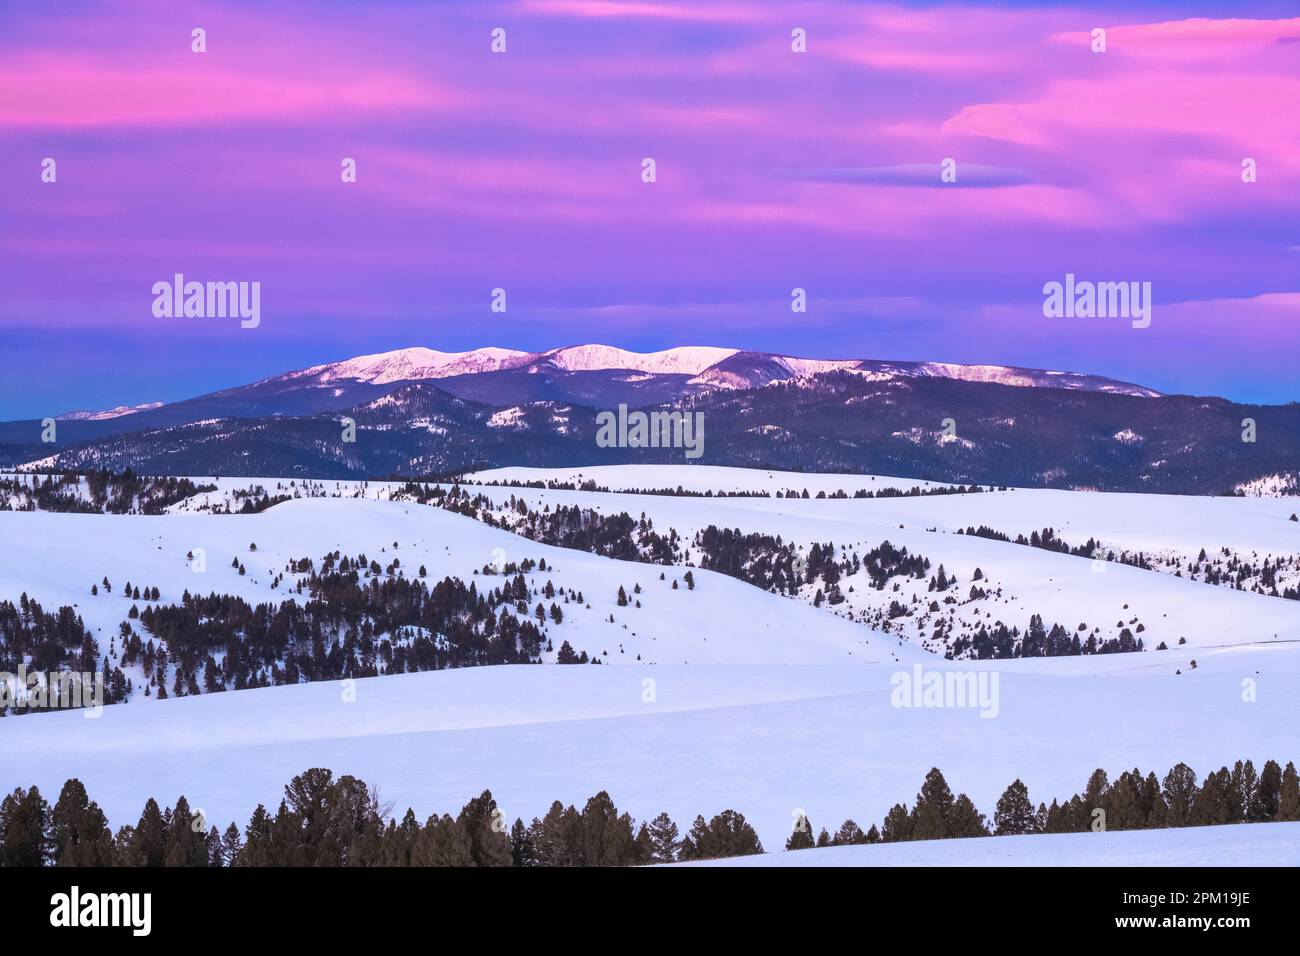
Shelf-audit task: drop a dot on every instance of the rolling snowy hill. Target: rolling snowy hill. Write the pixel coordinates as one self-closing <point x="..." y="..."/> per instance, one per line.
<point x="727" y="696"/>
<point x="1264" y="844"/>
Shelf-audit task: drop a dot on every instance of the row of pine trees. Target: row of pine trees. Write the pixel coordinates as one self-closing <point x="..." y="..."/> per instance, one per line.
<point x="1130" y="802"/>
<point x="323" y="821"/>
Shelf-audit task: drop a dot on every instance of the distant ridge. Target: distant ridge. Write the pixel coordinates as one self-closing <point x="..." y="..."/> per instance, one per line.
<point x="708" y="367"/>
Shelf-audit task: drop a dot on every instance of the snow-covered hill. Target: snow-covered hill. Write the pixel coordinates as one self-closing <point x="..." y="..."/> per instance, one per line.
<point x="57" y="558"/>
<point x="1263" y="844"/>
<point x="740" y="698"/>
<point x="696" y="740"/>
<point x="701" y="478"/>
<point x="1163" y="605"/>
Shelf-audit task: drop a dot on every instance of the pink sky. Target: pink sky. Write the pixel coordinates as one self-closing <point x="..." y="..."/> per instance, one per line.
<point x="521" y="170"/>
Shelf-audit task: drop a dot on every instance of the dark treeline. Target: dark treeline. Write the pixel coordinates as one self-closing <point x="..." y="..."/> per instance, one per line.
<point x="767" y="562"/>
<point x="124" y="493"/>
<point x="321" y="821"/>
<point x="1047" y="540"/>
<point x="581" y="529"/>
<point x="47" y="643"/>
<point x="1130" y="802"/>
<point x="358" y="619"/>
<point x="916" y="491"/>
<point x="1000" y="642"/>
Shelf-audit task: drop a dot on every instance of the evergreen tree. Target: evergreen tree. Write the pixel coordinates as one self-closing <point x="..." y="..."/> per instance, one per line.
<point x="727" y="834"/>
<point x="695" y="845"/>
<point x="933" y="807"/>
<point x="149" y="840"/>
<point x="1015" y="813"/>
<point x="80" y="830"/>
<point x="1153" y="803"/>
<point x="965" y="820"/>
<point x="1094" y="794"/>
<point x="801" y="835"/>
<point x="849" y="834"/>
<point x="663" y="839"/>
<point x="1244" y="783"/>
<point x="186" y="839"/>
<point x="1264" y="806"/>
<point x="559" y="837"/>
<point x="1123" y="804"/>
<point x="897" y="825"/>
<point x="1180" y="794"/>
<point x="26" y="837"/>
<point x="643" y="847"/>
<point x="443" y="842"/>
<point x="523" y="852"/>
<point x="1288" y="804"/>
<point x="399" y="840"/>
<point x="489" y="842"/>
<point x="1213" y="803"/>
<point x="231" y="844"/>
<point x="607" y="838"/>
<point x="257" y="849"/>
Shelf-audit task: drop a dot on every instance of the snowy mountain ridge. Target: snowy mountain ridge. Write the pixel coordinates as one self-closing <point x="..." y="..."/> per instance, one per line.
<point x="710" y="367"/>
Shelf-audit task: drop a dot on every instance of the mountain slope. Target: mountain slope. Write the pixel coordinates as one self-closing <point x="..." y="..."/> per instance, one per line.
<point x="835" y="422"/>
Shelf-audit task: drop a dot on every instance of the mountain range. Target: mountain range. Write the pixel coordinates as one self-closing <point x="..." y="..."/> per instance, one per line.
<point x="420" y="412"/>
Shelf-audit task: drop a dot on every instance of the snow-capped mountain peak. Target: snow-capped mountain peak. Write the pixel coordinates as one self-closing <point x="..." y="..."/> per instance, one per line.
<point x="684" y="360"/>
<point x="418" y="363"/>
<point x="707" y="368"/>
<point x="116" y="412"/>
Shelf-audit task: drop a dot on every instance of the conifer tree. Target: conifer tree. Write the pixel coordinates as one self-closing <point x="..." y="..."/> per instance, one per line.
<point x="523" y="852"/>
<point x="663" y="839"/>
<point x="933" y="806"/>
<point x="607" y="838"/>
<point x="149" y="840"/>
<point x="897" y="825"/>
<point x="483" y="822"/>
<point x="257" y="849"/>
<point x="1267" y="793"/>
<point x="186" y="840"/>
<point x="1288" y="804"/>
<point x="25" y="829"/>
<point x="965" y="820"/>
<point x="801" y="835"/>
<point x="80" y="831"/>
<point x="231" y="844"/>
<point x="1015" y="813"/>
<point x="849" y="834"/>
<point x="442" y="842"/>
<point x="1180" y="794"/>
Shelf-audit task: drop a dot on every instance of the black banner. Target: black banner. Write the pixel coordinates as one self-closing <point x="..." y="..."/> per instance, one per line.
<point x="144" y="906"/>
